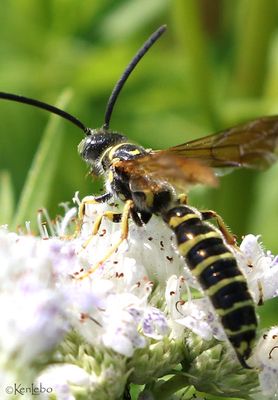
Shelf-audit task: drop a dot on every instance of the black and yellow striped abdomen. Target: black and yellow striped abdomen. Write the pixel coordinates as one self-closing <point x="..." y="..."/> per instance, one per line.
<point x="215" y="267"/>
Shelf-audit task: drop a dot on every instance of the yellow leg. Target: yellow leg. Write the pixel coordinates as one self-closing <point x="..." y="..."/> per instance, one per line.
<point x="111" y="215"/>
<point x="82" y="207"/>
<point x="124" y="234"/>
<point x="92" y="200"/>
<point x="229" y="237"/>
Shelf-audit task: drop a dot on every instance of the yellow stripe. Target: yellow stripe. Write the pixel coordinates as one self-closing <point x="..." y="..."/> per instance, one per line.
<point x="210" y="260"/>
<point x="224" y="282"/>
<point x="114" y="148"/>
<point x="103" y="155"/>
<point x="222" y="312"/>
<point x="244" y="328"/>
<point x="244" y="345"/>
<point x="135" y="152"/>
<point x="176" y="221"/>
<point x="185" y="247"/>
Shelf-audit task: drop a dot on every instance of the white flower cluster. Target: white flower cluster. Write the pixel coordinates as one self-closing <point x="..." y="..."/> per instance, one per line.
<point x="33" y="318"/>
<point x="132" y="304"/>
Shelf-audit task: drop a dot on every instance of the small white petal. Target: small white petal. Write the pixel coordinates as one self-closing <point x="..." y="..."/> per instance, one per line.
<point x="265" y="358"/>
<point x="259" y="267"/>
<point x="58" y="379"/>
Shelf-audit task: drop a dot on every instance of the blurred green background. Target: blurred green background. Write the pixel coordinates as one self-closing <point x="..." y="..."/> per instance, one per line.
<point x="216" y="66"/>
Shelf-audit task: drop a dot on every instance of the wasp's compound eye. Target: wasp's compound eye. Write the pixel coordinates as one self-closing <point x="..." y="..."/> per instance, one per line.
<point x="94" y="145"/>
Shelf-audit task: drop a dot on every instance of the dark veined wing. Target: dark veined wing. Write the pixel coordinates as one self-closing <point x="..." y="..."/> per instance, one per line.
<point x="154" y="169"/>
<point x="250" y="145"/>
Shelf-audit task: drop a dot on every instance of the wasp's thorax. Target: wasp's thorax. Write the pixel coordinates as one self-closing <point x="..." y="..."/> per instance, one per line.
<point x="95" y="145"/>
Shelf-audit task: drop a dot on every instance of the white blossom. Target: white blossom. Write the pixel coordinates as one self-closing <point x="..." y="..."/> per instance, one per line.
<point x="265" y="359"/>
<point x="260" y="268"/>
<point x="33" y="316"/>
<point x="197" y="315"/>
<point x="134" y="303"/>
<point x="59" y="378"/>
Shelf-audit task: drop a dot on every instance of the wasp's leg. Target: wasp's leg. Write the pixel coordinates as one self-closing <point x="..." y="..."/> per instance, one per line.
<point x="92" y="200"/>
<point x="111" y="215"/>
<point x="89" y="200"/>
<point x="124" y="234"/>
<point x="229" y="237"/>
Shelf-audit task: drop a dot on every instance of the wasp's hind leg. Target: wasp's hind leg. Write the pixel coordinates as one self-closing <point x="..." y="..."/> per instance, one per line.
<point x="229" y="237"/>
<point x="210" y="214"/>
<point x="115" y="217"/>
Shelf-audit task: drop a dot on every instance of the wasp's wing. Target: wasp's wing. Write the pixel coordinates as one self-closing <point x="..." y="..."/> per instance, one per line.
<point x="157" y="168"/>
<point x="250" y="145"/>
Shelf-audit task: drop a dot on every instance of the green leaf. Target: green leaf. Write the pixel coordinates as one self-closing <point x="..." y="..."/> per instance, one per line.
<point x="40" y="176"/>
<point x="128" y="17"/>
<point x="257" y="23"/>
<point x="193" y="38"/>
<point x="6" y="198"/>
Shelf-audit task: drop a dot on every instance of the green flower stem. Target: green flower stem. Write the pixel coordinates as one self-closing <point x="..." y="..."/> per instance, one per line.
<point x="257" y="19"/>
<point x="193" y="39"/>
<point x="165" y="390"/>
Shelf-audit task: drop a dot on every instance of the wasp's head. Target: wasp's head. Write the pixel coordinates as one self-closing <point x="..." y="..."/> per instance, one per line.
<point x="95" y="144"/>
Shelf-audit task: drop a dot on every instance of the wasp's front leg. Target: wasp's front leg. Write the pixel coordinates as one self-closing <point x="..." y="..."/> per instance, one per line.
<point x="104" y="198"/>
<point x="123" y="218"/>
<point x="86" y="201"/>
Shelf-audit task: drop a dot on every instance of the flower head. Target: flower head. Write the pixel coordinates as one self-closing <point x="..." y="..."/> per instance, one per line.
<point x="139" y="314"/>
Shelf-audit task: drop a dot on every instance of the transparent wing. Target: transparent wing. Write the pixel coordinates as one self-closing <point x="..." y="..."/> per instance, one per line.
<point x="250" y="145"/>
<point x="157" y="168"/>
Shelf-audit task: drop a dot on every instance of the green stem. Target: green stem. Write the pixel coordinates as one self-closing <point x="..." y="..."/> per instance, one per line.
<point x="193" y="39"/>
<point x="257" y="20"/>
<point x="165" y="390"/>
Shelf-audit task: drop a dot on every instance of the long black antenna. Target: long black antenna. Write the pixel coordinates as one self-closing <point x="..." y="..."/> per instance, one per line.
<point x="45" y="106"/>
<point x="119" y="85"/>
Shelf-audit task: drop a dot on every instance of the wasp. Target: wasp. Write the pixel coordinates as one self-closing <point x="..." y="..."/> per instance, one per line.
<point x="150" y="182"/>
